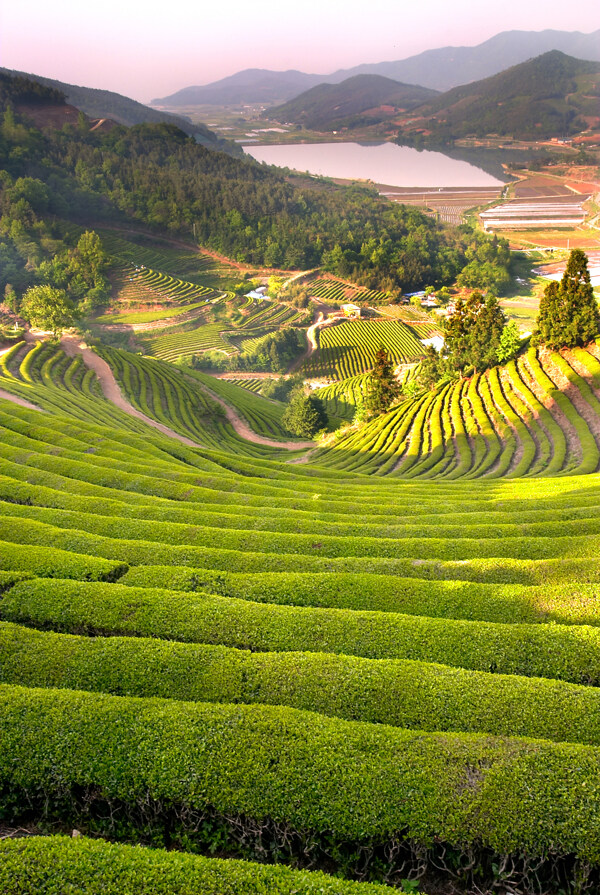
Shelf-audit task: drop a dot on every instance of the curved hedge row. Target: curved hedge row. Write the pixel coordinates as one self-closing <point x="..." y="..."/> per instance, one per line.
<point x="544" y="545"/>
<point x="401" y="693"/>
<point x="564" y="603"/>
<point x="53" y="865"/>
<point x="49" y="562"/>
<point x="570" y="653"/>
<point x="510" y="795"/>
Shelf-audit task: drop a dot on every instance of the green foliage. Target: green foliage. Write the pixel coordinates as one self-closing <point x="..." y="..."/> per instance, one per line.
<point x="48" y="308"/>
<point x="510" y="343"/>
<point x="305" y="415"/>
<point x="568" y="314"/>
<point x="156" y="175"/>
<point x="488" y="260"/>
<point x="50" y="865"/>
<point x="382" y="388"/>
<point x="543" y="97"/>
<point x="473" y="332"/>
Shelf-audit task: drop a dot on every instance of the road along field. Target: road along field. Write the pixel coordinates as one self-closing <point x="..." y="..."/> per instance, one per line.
<point x="211" y="649"/>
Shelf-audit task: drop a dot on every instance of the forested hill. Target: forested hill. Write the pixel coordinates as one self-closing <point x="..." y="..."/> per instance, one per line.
<point x="106" y="104"/>
<point x="332" y="106"/>
<point x="159" y="178"/>
<point x="549" y="96"/>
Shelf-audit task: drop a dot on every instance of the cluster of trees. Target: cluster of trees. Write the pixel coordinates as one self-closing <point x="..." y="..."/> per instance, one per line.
<point x="273" y="353"/>
<point x="488" y="263"/>
<point x="80" y="272"/>
<point x="477" y="336"/>
<point x="305" y="414"/>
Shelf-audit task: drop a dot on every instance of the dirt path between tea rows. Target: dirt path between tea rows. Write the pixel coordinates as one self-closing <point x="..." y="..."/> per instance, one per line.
<point x="112" y="392"/>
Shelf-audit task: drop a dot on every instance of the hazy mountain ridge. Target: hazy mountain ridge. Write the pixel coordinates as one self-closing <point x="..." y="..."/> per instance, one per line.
<point x="448" y="67"/>
<point x="329" y="106"/>
<point x="97" y="104"/>
<point x="439" y="69"/>
<point x="252" y="85"/>
<point x="543" y="97"/>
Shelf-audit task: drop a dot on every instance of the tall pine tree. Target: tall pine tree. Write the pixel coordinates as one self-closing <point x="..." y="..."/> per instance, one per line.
<point x="382" y="386"/>
<point x="568" y="314"/>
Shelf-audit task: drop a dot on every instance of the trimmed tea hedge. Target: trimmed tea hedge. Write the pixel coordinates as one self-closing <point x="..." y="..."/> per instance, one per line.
<point x="570" y="653"/>
<point x="510" y="795"/>
<point x="408" y="694"/>
<point x="53" y="865"/>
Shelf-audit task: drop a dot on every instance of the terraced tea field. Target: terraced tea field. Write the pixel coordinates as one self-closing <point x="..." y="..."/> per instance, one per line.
<point x="141" y="250"/>
<point x="349" y="348"/>
<point x="537" y="416"/>
<point x="211" y="649"/>
<point x="185" y="344"/>
<point x="331" y="290"/>
<point x="156" y="598"/>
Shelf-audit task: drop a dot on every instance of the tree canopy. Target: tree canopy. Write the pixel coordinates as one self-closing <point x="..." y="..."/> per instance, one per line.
<point x="382" y="387"/>
<point x="568" y="314"/>
<point x="48" y="308"/>
<point x="305" y="415"/>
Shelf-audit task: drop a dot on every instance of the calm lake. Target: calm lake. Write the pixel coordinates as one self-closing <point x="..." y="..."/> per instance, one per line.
<point x="384" y="163"/>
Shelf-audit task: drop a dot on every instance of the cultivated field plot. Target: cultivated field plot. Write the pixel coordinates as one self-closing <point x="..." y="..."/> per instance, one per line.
<point x="253" y="385"/>
<point x="172" y="346"/>
<point x="143" y="285"/>
<point x="550" y="238"/>
<point x="419" y="321"/>
<point x="332" y="290"/>
<point x="449" y="205"/>
<point x="350" y="347"/>
<point x="538" y="416"/>
<point x="268" y="314"/>
<point x="400" y="675"/>
<point x="538" y="202"/>
<point x="157" y="254"/>
<point x="341" y="398"/>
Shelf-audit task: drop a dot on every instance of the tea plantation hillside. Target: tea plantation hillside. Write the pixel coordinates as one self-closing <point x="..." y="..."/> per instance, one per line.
<point x="247" y="662"/>
<point x="537" y="416"/>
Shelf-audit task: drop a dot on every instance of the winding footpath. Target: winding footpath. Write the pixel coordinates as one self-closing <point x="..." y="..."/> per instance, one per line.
<point x="112" y="392"/>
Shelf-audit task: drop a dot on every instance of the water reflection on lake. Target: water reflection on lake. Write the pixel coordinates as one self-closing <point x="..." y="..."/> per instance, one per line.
<point x="384" y="163"/>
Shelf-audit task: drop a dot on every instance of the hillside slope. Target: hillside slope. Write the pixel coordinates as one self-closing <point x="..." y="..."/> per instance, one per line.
<point x="332" y="106"/>
<point x="98" y="104"/>
<point x="553" y="95"/>
<point x="384" y="677"/>
<point x="438" y="69"/>
<point x="252" y="85"/>
<point x="539" y="415"/>
<point x="447" y="67"/>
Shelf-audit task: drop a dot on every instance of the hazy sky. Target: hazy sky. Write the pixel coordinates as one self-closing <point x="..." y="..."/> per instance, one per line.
<point x="152" y="49"/>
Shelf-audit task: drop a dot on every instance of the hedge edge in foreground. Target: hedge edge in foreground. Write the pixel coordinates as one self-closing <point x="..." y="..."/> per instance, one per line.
<point x="51" y="865"/>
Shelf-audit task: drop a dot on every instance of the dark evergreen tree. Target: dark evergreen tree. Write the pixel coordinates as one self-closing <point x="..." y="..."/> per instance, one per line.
<point x="305" y="415"/>
<point x="382" y="386"/>
<point x="568" y="314"/>
<point x="473" y="333"/>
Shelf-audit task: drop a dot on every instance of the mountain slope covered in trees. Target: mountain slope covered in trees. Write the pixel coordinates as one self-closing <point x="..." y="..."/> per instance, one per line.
<point x="157" y="176"/>
<point x="106" y="104"/>
<point x="330" y="106"/>
<point x="551" y="95"/>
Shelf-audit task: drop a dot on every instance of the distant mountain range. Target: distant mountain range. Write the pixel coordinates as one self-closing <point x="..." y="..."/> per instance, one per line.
<point x="439" y="69"/>
<point x="331" y="106"/>
<point x="99" y="104"/>
<point x="553" y="95"/>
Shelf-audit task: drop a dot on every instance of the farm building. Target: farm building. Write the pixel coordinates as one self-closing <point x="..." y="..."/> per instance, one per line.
<point x="352" y="311"/>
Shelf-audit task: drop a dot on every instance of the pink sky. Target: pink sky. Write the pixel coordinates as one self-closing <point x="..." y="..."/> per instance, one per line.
<point x="152" y="49"/>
